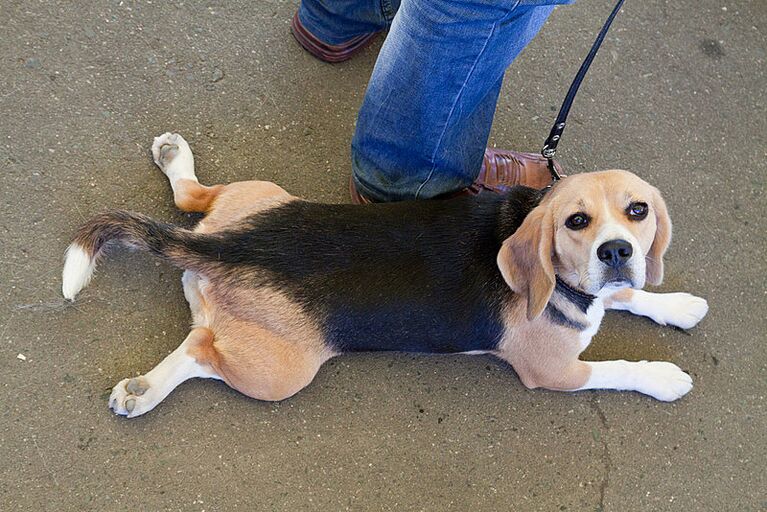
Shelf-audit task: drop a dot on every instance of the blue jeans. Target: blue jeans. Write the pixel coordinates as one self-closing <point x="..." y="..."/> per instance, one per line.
<point x="425" y="120"/>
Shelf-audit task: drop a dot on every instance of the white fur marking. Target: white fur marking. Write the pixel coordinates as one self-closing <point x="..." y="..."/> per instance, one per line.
<point x="194" y="289"/>
<point x="680" y="309"/>
<point x="78" y="269"/>
<point x="594" y="316"/>
<point x="661" y="380"/>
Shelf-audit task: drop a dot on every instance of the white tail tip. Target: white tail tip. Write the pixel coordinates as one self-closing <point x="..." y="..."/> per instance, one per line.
<point x="78" y="269"/>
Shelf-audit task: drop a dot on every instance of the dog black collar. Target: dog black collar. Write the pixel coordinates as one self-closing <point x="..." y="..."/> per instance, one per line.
<point x="580" y="298"/>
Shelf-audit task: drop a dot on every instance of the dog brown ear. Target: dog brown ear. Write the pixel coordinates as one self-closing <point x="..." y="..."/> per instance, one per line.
<point x="525" y="261"/>
<point x="654" y="258"/>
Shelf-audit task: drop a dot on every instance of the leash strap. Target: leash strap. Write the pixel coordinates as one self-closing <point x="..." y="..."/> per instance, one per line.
<point x="550" y="146"/>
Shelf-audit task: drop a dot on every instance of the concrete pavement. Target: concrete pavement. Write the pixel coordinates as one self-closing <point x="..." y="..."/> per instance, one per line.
<point x="677" y="95"/>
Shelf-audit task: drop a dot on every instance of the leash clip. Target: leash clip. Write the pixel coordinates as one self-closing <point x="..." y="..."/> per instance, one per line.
<point x="555" y="176"/>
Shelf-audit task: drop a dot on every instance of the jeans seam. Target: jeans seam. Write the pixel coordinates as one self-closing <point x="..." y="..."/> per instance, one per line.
<point x="455" y="102"/>
<point x="387" y="11"/>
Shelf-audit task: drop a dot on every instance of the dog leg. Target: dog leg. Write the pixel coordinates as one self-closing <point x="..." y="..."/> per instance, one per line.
<point x="679" y="309"/>
<point x="173" y="156"/>
<point x="661" y="380"/>
<point x="139" y="395"/>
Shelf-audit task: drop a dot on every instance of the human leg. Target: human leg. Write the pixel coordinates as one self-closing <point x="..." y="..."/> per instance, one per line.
<point x="426" y="117"/>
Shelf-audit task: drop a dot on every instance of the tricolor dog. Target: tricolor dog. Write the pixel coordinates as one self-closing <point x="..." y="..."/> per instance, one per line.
<point x="278" y="285"/>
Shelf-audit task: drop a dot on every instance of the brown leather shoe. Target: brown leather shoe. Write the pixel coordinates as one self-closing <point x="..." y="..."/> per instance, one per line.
<point x="329" y="52"/>
<point x="501" y="169"/>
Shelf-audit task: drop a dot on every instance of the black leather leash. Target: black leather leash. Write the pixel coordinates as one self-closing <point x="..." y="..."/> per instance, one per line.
<point x="550" y="146"/>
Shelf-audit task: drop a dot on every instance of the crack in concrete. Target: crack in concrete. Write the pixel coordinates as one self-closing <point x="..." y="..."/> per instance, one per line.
<point x="606" y="459"/>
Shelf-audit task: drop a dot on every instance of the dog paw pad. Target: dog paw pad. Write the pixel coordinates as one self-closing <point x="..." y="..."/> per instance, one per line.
<point x="137" y="386"/>
<point x="169" y="148"/>
<point x="132" y="397"/>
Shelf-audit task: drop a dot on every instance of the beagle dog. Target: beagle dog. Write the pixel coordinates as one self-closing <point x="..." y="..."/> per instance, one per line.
<point x="278" y="285"/>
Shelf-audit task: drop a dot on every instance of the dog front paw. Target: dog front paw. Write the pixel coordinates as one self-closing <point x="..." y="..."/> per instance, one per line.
<point x="683" y="310"/>
<point x="679" y="309"/>
<point x="663" y="381"/>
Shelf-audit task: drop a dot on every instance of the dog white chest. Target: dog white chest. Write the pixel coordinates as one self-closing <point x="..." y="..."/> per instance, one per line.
<point x="594" y="316"/>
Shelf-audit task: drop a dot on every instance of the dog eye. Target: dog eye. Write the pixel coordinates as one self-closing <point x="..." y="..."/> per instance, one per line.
<point x="637" y="211"/>
<point x="577" y="221"/>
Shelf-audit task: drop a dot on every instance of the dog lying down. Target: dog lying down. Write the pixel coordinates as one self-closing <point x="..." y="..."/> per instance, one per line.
<point x="278" y="285"/>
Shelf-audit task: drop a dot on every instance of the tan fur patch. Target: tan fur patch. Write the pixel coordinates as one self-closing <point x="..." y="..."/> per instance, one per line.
<point x="620" y="297"/>
<point x="542" y="354"/>
<point x="201" y="347"/>
<point x="191" y="196"/>
<point x="263" y="345"/>
<point x="239" y="200"/>
<point x="260" y="363"/>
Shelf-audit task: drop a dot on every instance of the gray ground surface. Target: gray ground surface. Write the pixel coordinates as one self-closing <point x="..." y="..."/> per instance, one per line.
<point x="677" y="95"/>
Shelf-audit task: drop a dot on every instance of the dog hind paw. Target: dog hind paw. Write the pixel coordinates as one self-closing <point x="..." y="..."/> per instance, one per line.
<point x="129" y="397"/>
<point x="172" y="154"/>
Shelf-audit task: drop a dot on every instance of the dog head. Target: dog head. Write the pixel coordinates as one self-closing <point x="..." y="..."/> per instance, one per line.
<point x="597" y="231"/>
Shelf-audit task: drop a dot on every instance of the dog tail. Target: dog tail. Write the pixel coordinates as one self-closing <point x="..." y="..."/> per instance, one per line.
<point x="179" y="246"/>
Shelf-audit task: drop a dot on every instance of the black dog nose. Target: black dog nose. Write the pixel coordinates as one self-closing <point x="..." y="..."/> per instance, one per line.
<point x="615" y="253"/>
